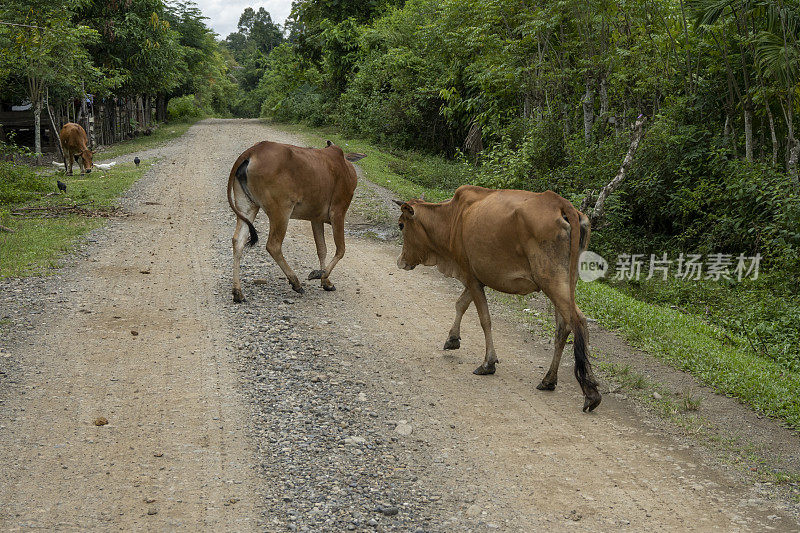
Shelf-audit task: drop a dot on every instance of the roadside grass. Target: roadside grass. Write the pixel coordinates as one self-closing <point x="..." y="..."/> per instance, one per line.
<point x="37" y="243"/>
<point x="163" y="134"/>
<point x="717" y="356"/>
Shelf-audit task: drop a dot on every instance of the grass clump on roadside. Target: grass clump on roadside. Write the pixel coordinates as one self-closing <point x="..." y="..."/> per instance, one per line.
<point x="19" y="183"/>
<point x="49" y="224"/>
<point x="717" y="357"/>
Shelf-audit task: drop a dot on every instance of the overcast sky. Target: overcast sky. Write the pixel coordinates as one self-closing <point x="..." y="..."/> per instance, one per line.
<point x="224" y="14"/>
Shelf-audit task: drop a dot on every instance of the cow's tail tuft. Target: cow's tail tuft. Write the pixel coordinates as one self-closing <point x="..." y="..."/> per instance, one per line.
<point x="239" y="172"/>
<point x="579" y="235"/>
<point x="582" y="364"/>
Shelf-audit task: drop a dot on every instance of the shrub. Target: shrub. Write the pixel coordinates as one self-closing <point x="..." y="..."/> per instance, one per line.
<point x="183" y="107"/>
<point x="19" y="183"/>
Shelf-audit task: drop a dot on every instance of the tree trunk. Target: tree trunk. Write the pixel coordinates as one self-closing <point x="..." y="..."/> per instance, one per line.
<point x="603" y="98"/>
<point x="56" y="133"/>
<point x="748" y="132"/>
<point x="598" y="211"/>
<point x="588" y="112"/>
<point x="139" y="114"/>
<point x="161" y="108"/>
<point x="37" y="127"/>
<point x="773" y="136"/>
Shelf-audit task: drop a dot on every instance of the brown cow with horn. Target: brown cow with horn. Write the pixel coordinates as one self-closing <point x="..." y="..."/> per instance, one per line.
<point x="517" y="242"/>
<point x="288" y="182"/>
<point x="74" y="142"/>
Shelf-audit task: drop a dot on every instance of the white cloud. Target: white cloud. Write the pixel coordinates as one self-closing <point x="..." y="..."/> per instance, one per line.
<point x="224" y="14"/>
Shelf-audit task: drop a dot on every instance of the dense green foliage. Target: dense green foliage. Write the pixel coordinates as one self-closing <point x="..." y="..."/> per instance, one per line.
<point x="250" y="47"/>
<point x="141" y="48"/>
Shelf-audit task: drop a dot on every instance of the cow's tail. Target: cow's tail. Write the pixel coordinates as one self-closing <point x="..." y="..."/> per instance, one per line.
<point x="239" y="172"/>
<point x="578" y="240"/>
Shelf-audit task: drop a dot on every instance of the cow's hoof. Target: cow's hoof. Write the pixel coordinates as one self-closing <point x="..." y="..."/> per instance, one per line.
<point x="546" y="386"/>
<point x="452" y="343"/>
<point x="592" y="401"/>
<point x="238" y="297"/>
<point x="298" y="288"/>
<point x="484" y="370"/>
<point x="328" y="286"/>
<point x="316" y="274"/>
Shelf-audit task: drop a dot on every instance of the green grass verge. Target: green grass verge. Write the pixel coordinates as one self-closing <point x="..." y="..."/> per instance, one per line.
<point x="163" y="134"/>
<point x="712" y="354"/>
<point x="35" y="246"/>
<point x="715" y="355"/>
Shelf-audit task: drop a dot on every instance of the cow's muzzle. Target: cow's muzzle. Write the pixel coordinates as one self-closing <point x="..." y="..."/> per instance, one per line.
<point x="401" y="264"/>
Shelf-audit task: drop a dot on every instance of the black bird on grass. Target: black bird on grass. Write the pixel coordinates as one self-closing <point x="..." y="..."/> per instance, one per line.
<point x="61" y="186"/>
<point x="136" y="160"/>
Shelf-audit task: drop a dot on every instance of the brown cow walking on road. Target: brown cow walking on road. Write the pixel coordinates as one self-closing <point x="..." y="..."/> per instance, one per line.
<point x="517" y="242"/>
<point x="75" y="145"/>
<point x="291" y="182"/>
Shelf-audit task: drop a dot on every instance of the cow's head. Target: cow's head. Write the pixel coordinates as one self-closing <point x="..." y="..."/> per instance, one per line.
<point x="85" y="160"/>
<point x="416" y="245"/>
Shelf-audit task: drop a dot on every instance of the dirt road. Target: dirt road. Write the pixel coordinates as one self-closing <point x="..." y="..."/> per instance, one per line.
<point x="326" y="411"/>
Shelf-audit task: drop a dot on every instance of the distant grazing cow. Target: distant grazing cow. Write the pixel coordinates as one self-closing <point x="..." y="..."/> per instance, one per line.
<point x="75" y="145"/>
<point x="517" y="242"/>
<point x="291" y="182"/>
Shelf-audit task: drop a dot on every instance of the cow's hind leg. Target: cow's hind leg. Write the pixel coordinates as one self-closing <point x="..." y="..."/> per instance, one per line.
<point x="278" y="222"/>
<point x="240" y="238"/>
<point x="453" y="341"/>
<point x="337" y="223"/>
<point x="322" y="250"/>
<point x="490" y="359"/>
<point x="583" y="369"/>
<point x="562" y="332"/>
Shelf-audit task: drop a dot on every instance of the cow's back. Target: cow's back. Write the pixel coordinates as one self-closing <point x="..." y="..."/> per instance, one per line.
<point x="501" y="230"/>
<point x="312" y="179"/>
<point x="73" y="137"/>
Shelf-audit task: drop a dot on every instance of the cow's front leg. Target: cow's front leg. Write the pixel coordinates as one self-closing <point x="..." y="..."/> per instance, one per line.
<point x="453" y="341"/>
<point x="337" y="224"/>
<point x="322" y="250"/>
<point x="562" y="332"/>
<point x="479" y="297"/>
<point x="69" y="164"/>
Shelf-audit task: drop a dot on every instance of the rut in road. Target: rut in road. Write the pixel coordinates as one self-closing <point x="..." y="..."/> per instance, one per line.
<point x="486" y="452"/>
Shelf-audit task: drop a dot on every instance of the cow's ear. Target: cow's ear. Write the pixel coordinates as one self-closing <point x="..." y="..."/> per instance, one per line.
<point x="353" y="157"/>
<point x="408" y="209"/>
<point x="398" y="202"/>
<point x="328" y="143"/>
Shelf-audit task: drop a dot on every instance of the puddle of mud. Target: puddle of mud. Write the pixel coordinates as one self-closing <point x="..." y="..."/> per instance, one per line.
<point x="373" y="231"/>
